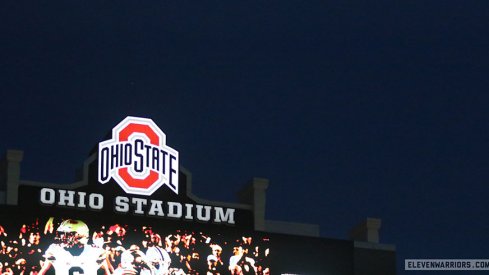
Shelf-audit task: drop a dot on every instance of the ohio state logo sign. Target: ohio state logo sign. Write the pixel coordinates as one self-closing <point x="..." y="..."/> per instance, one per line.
<point x="137" y="158"/>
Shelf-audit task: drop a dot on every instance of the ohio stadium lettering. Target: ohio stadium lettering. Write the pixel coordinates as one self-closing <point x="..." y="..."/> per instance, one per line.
<point x="69" y="198"/>
<point x="174" y="210"/>
<point x="139" y="206"/>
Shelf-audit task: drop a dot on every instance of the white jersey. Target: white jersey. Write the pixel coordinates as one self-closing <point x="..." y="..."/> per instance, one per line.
<point x="88" y="262"/>
<point x="159" y="258"/>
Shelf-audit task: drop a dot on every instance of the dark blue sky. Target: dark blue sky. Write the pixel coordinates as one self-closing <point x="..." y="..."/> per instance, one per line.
<point x="351" y="109"/>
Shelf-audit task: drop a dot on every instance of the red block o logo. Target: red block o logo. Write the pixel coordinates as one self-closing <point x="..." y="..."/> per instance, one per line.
<point x="137" y="158"/>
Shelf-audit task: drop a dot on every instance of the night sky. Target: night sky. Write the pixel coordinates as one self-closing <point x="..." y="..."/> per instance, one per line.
<point x="351" y="109"/>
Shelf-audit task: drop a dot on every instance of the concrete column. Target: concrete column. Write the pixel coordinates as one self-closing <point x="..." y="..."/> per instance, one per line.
<point x="13" y="158"/>
<point x="366" y="231"/>
<point x="254" y="194"/>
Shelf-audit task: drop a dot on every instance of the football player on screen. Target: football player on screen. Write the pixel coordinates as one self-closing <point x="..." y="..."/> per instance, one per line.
<point x="71" y="254"/>
<point x="157" y="256"/>
<point x="135" y="262"/>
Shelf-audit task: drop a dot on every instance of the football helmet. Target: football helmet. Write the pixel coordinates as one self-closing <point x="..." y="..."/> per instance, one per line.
<point x="158" y="258"/>
<point x="72" y="232"/>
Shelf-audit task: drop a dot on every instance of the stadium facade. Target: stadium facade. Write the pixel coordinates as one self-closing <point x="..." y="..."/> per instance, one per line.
<point x="132" y="211"/>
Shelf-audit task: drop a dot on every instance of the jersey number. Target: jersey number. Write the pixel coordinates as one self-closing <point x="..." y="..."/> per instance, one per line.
<point x="76" y="270"/>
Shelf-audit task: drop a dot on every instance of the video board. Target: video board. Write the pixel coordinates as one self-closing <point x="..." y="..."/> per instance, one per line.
<point x="87" y="244"/>
<point x="77" y="243"/>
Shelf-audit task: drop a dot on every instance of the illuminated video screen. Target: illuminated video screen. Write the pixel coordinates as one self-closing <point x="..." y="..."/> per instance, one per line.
<point x="126" y="245"/>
